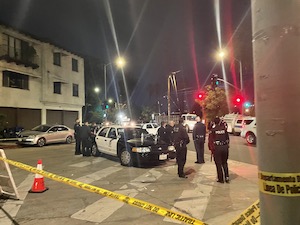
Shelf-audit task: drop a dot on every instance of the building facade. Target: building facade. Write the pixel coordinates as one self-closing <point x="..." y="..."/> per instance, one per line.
<point x="39" y="83"/>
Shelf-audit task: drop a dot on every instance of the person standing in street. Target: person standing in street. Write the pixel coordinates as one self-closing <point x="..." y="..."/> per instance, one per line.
<point x="221" y="145"/>
<point x="162" y="134"/>
<point x="170" y="132"/>
<point x="181" y="139"/>
<point x="199" y="134"/>
<point x="77" y="137"/>
<point x="85" y="134"/>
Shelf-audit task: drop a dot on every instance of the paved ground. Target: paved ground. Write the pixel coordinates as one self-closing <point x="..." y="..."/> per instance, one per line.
<point x="199" y="196"/>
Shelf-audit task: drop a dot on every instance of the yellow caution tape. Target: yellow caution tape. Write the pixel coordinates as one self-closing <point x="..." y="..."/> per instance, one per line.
<point x="280" y="184"/>
<point x="123" y="198"/>
<point x="250" y="216"/>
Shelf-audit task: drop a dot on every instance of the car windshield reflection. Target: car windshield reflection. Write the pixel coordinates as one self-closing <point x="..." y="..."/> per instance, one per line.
<point x="131" y="133"/>
<point x="41" y="128"/>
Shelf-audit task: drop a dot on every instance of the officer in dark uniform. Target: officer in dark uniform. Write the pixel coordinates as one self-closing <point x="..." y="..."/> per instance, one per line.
<point x="181" y="139"/>
<point x="77" y="137"/>
<point x="162" y="134"/>
<point x="85" y="134"/>
<point x="221" y="145"/>
<point x="199" y="134"/>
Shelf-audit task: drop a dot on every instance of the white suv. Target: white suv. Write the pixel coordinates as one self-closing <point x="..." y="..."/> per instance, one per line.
<point x="189" y="121"/>
<point x="249" y="130"/>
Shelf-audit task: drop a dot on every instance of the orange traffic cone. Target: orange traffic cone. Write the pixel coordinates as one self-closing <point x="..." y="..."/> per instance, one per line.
<point x="38" y="184"/>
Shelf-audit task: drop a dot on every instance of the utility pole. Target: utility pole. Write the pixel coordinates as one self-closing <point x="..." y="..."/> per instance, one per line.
<point x="171" y="79"/>
<point x="276" y="51"/>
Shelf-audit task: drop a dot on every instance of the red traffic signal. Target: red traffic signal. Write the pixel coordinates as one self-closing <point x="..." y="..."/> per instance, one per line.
<point x="200" y="96"/>
<point x="238" y="100"/>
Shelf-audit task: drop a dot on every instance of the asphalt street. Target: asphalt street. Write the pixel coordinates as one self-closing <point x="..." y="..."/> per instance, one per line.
<point x="198" y="196"/>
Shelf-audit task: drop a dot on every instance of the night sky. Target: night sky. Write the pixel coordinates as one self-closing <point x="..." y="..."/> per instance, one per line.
<point x="155" y="36"/>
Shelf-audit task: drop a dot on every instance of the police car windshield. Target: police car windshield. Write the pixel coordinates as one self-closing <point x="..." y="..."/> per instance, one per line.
<point x="131" y="133"/>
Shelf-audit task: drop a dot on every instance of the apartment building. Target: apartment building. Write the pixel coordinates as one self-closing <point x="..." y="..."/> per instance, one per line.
<point x="39" y="82"/>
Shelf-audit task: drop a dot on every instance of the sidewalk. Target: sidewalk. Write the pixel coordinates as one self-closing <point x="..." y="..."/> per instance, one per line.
<point x="8" y="143"/>
<point x="226" y="202"/>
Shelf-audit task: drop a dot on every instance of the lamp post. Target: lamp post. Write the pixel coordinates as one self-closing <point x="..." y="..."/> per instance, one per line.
<point x="120" y="62"/>
<point x="222" y="55"/>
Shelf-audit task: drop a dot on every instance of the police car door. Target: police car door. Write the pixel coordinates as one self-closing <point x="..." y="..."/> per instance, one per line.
<point x="102" y="140"/>
<point x="112" y="141"/>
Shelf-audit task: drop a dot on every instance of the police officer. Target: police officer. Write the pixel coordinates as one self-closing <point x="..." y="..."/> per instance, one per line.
<point x="199" y="134"/>
<point x="181" y="139"/>
<point x="77" y="137"/>
<point x="85" y="134"/>
<point x="221" y="145"/>
<point x="162" y="134"/>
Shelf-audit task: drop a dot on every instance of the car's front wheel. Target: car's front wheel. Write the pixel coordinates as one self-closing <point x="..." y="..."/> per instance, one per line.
<point x="94" y="150"/>
<point x="69" y="140"/>
<point x="125" y="158"/>
<point x="41" y="142"/>
<point x="250" y="138"/>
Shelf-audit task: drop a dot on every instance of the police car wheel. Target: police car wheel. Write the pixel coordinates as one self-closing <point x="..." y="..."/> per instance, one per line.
<point x="125" y="158"/>
<point x="94" y="150"/>
<point x="250" y="138"/>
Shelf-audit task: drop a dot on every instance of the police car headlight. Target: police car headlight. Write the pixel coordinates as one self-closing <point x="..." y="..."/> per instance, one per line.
<point x="141" y="149"/>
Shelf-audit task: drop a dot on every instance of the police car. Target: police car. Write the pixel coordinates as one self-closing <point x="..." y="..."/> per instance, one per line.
<point x="249" y="130"/>
<point x="132" y="145"/>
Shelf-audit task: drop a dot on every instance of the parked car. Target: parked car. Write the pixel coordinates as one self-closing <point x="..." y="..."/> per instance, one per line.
<point x="238" y="124"/>
<point x="189" y="121"/>
<point x="132" y="145"/>
<point x="151" y="128"/>
<point x="46" y="134"/>
<point x="249" y="130"/>
<point x="11" y="132"/>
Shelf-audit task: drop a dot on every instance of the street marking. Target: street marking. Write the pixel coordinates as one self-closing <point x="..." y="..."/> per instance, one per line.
<point x="194" y="202"/>
<point x="87" y="163"/>
<point x="105" y="207"/>
<point x="120" y="197"/>
<point x="99" y="174"/>
<point x="12" y="207"/>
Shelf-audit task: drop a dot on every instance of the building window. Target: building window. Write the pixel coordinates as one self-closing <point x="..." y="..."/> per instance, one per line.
<point x="15" y="80"/>
<point x="57" y="58"/>
<point x="18" y="49"/>
<point x="74" y="65"/>
<point x="75" y="90"/>
<point x="57" y="87"/>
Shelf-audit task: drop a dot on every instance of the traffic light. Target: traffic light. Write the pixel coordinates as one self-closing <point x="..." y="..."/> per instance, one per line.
<point x="214" y="81"/>
<point x="247" y="105"/>
<point x="238" y="100"/>
<point x="200" y="96"/>
<point x="105" y="105"/>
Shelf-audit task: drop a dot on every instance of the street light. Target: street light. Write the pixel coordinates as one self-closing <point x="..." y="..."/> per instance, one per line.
<point x="97" y="90"/>
<point x="222" y="54"/>
<point x="120" y="63"/>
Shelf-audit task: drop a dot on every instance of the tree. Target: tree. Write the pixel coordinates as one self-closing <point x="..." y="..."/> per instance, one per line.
<point x="214" y="104"/>
<point x="146" y="114"/>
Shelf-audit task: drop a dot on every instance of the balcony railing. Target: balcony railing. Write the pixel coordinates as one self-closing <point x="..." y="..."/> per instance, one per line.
<point x="26" y="57"/>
